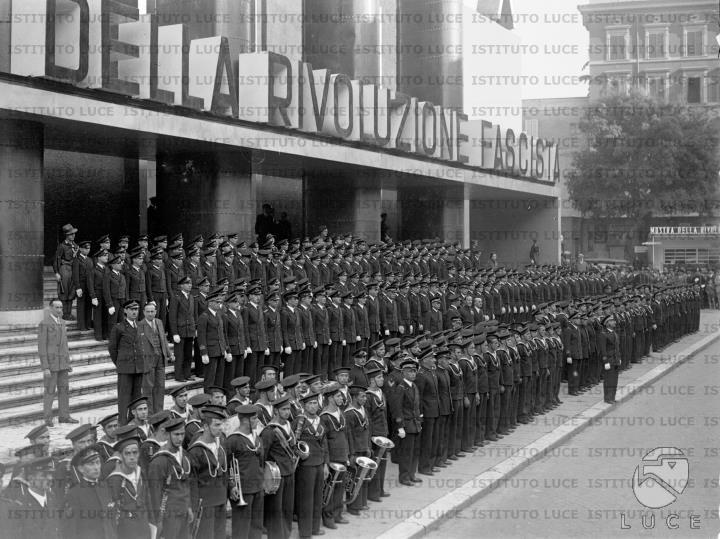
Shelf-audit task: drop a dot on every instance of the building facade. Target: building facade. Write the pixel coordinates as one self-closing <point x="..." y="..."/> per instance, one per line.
<point x="213" y="107"/>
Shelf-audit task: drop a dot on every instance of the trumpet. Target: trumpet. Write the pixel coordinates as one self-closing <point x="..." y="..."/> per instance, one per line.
<point x="383" y="445"/>
<point x="235" y="476"/>
<point x="334" y="478"/>
<point x="356" y="477"/>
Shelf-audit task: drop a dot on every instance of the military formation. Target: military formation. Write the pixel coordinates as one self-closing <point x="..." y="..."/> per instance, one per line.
<point x="322" y="360"/>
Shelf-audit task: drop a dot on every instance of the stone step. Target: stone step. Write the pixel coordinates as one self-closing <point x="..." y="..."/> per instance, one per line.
<point x="89" y="394"/>
<point x="31" y="350"/>
<point x="19" y="366"/>
<point x="13" y="339"/>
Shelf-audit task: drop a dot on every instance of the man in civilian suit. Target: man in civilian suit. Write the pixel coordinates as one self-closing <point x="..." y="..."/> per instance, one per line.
<point x="126" y="354"/>
<point x="213" y="342"/>
<point x="157" y="354"/>
<point x="55" y="362"/>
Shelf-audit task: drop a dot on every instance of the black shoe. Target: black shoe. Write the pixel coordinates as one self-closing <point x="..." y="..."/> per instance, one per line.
<point x="354" y="512"/>
<point x="425" y="472"/>
<point x="373" y="499"/>
<point x="435" y="469"/>
<point x="460" y="455"/>
<point x="492" y="438"/>
<point x="319" y="532"/>
<point x="341" y="520"/>
<point x="384" y="494"/>
<point x="68" y="420"/>
<point x="329" y="524"/>
<point x="441" y="465"/>
<point x="415" y="480"/>
<point x="407" y="483"/>
<point x="453" y="457"/>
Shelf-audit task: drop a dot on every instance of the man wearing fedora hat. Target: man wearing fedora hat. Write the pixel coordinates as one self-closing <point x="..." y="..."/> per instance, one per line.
<point x="62" y="266"/>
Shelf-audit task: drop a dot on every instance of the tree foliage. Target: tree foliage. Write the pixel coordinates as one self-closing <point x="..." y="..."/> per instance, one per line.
<point x="645" y="158"/>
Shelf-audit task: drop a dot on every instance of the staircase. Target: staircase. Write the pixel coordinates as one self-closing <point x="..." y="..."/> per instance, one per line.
<point x="92" y="380"/>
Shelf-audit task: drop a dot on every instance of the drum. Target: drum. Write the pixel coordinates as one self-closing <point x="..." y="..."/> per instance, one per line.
<point x="271" y="482"/>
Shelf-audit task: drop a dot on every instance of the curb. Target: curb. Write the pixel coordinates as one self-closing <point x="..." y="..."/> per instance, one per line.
<point x="433" y="515"/>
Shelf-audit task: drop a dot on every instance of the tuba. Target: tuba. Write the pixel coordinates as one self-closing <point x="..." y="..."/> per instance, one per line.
<point x="333" y="478"/>
<point x="356" y="477"/>
<point x="382" y="446"/>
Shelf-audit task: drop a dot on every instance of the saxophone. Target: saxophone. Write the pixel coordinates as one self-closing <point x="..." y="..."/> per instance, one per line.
<point x="301" y="448"/>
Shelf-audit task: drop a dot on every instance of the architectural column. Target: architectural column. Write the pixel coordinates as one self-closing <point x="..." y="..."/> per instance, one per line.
<point x="21" y="221"/>
<point x="452" y="221"/>
<point x="147" y="178"/>
<point x="234" y="191"/>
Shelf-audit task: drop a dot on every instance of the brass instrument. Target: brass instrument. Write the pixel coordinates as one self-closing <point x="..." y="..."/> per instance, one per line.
<point x="383" y="445"/>
<point x="333" y="478"/>
<point x="356" y="477"/>
<point x="302" y="448"/>
<point x="235" y="476"/>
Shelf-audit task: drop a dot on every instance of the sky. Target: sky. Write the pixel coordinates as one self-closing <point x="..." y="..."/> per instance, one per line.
<point x="555" y="47"/>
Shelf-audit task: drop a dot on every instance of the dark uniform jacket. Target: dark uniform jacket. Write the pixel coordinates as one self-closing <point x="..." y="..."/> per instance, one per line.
<point x="89" y="512"/>
<point x="316" y="440"/>
<point x="321" y="324"/>
<point x="427" y="384"/>
<point x="236" y="334"/>
<point x="405" y="407"/>
<point x="275" y="450"/>
<point x="249" y="456"/>
<point x="211" y="334"/>
<point x="82" y="272"/>
<point x="358" y="432"/>
<point x="126" y="350"/>
<point x="377" y="410"/>
<point x="114" y="287"/>
<point x="337" y="442"/>
<point x="25" y="517"/>
<point x="255" y="327"/>
<point x="131" y="503"/>
<point x="136" y="287"/>
<point x="182" y="315"/>
<point x="444" y="393"/>
<point x="155" y="281"/>
<point x="168" y="477"/>
<point x="209" y="472"/>
<point x="273" y="327"/>
<point x="291" y="326"/>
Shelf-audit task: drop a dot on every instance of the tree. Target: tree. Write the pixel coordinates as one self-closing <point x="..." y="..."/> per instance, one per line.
<point x="645" y="159"/>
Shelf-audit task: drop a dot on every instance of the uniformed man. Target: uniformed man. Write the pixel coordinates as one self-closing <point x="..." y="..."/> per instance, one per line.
<point x="157" y="289"/>
<point x="405" y="411"/>
<point x="62" y="266"/>
<point x="97" y="298"/>
<point x="266" y="393"/>
<point x="427" y="386"/>
<point x="278" y="440"/>
<point x="65" y="475"/>
<point x="135" y="279"/>
<point x="244" y="451"/>
<point x="139" y="412"/>
<point x="333" y="422"/>
<point x="172" y="492"/>
<point x="445" y="407"/>
<point x="182" y="322"/>
<point x="105" y="444"/>
<point x="114" y="290"/>
<point x="358" y="427"/>
<point x="213" y="342"/>
<point x="209" y="465"/>
<point x="254" y="319"/>
<point x="321" y="326"/>
<point x="610" y="355"/>
<point x="34" y="506"/>
<point x="129" y="491"/>
<point x="40" y="435"/>
<point x="180" y="408"/>
<point x="82" y="283"/>
<point x="156" y="438"/>
<point x="89" y="512"/>
<point x="237" y="340"/>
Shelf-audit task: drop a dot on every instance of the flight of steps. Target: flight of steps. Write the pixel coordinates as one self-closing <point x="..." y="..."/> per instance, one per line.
<point x="92" y="380"/>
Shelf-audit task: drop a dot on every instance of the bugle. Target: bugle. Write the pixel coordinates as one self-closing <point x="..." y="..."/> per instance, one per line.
<point x="333" y="478"/>
<point x="235" y="476"/>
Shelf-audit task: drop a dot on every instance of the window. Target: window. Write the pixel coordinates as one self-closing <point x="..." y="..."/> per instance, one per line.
<point x="694" y="42"/>
<point x="713" y="88"/>
<point x="655" y="44"/>
<point x="617" y="47"/>
<point x="656" y="87"/>
<point x="703" y="257"/>
<point x="694" y="94"/>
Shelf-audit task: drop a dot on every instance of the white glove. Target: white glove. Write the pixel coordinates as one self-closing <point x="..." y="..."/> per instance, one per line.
<point x="411" y="329"/>
<point x="78" y="292"/>
<point x="358" y="338"/>
<point x="288" y="350"/>
<point x="267" y="351"/>
<point x="401" y="433"/>
<point x="534" y="307"/>
<point x="205" y="359"/>
<point x="522" y="309"/>
<point x="176" y="339"/>
<point x="111" y="310"/>
<point x="654" y="326"/>
<point x="401" y="329"/>
<point x="167" y="303"/>
<point x="344" y="342"/>
<point x="228" y="357"/>
<point x="607" y="366"/>
<point x="569" y="361"/>
<point x="95" y="302"/>
<point x="57" y="277"/>
<point x="245" y="354"/>
<point x="329" y="342"/>
<point x="315" y="344"/>
<point x="303" y="346"/>
<point x="515" y="310"/>
<point x="248" y="350"/>
<point x="387" y="332"/>
<point x="486" y="317"/>
<point x="502" y="310"/>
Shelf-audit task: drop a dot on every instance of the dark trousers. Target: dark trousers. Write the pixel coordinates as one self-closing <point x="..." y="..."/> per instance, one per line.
<point x="347" y="352"/>
<point x="292" y="362"/>
<point x="197" y="357"/>
<point x="56" y="383"/>
<point x="491" y="414"/>
<point x="214" y="372"/>
<point x="429" y="441"/>
<point x="247" y="520"/>
<point x="306" y="359"/>
<point x="212" y="523"/>
<point x="333" y="510"/>
<point x="504" y="419"/>
<point x="480" y="419"/>
<point x="334" y="358"/>
<point x="129" y="388"/>
<point x="183" y="359"/>
<point x="153" y="384"/>
<point x="408" y="456"/>
<point x="443" y="429"/>
<point x="377" y="483"/>
<point x="117" y="315"/>
<point x="320" y="360"/>
<point x="455" y="428"/>
<point x="279" y="508"/>
<point x="573" y="377"/>
<point x="175" y="524"/>
<point x="253" y="364"/>
<point x="160" y="299"/>
<point x="308" y="498"/>
<point x="610" y="383"/>
<point x="468" y="424"/>
<point x="232" y="371"/>
<point x="84" y="311"/>
<point x="100" y="320"/>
